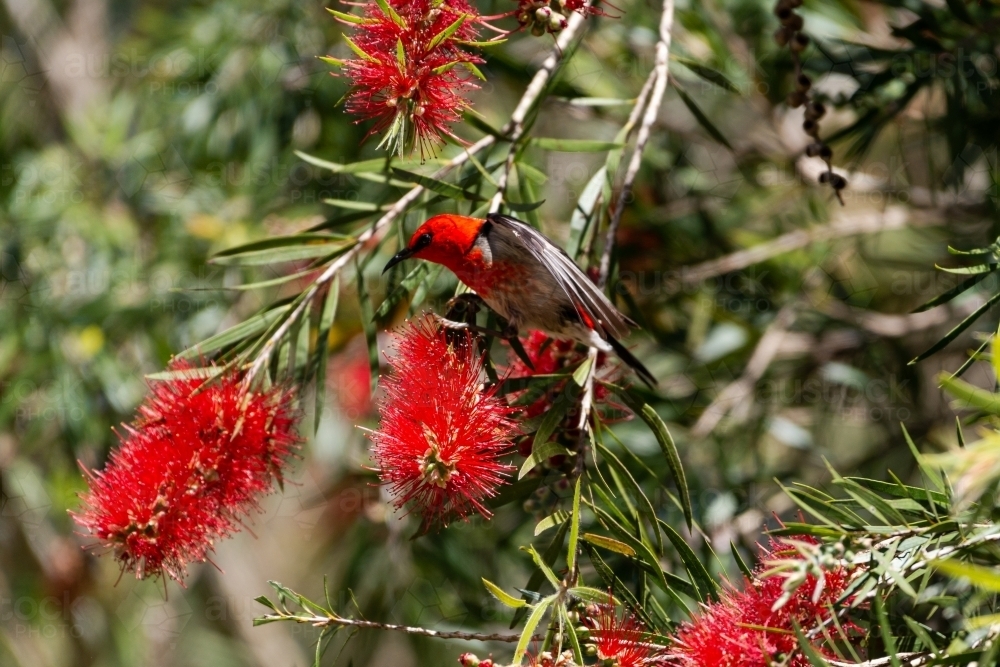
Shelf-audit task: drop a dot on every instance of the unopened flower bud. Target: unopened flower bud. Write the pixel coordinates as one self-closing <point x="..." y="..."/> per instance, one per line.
<point x="815" y="110"/>
<point x="813" y="149"/>
<point x="793" y="22"/>
<point x="796" y="99"/>
<point x="803" y="83"/>
<point x="799" y="42"/>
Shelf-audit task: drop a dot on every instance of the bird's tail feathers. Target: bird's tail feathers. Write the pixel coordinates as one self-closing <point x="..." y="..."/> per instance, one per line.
<point x="629" y="358"/>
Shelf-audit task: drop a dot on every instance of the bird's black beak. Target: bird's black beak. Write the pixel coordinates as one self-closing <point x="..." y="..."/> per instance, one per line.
<point x="405" y="253"/>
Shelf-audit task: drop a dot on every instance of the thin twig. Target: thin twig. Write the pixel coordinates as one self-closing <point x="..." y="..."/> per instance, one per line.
<point x="650" y="97"/>
<point x="661" y="68"/>
<point x="739" y="392"/>
<point x="328" y="621"/>
<point x="514" y="128"/>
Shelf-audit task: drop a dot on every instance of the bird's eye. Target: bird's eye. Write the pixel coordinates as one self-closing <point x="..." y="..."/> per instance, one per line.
<point x="422" y="241"/>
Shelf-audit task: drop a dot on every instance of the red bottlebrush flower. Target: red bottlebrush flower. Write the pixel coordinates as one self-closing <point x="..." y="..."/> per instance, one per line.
<point x="745" y="630"/>
<point x="190" y="466"/>
<point x="618" y="637"/>
<point x="550" y="356"/>
<point x="410" y="75"/>
<point x="441" y="434"/>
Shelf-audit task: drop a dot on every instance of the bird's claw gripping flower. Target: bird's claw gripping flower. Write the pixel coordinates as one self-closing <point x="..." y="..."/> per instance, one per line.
<point x="188" y="469"/>
<point x="441" y="433"/>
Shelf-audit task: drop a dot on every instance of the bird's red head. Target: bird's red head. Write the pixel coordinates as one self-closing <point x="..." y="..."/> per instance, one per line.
<point x="444" y="239"/>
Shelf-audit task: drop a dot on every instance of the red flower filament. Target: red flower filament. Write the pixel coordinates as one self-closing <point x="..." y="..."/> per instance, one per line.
<point x="411" y="73"/>
<point x="441" y="434"/>
<point x="744" y="629"/>
<point x="190" y="466"/>
<point x="620" y="638"/>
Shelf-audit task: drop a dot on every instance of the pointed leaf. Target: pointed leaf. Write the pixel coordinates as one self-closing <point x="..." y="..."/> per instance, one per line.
<point x="502" y="596"/>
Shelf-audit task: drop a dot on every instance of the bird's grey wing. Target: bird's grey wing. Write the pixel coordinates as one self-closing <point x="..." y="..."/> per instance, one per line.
<point x="582" y="292"/>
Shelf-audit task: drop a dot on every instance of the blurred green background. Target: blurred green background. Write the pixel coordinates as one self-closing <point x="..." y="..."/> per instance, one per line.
<point x="136" y="139"/>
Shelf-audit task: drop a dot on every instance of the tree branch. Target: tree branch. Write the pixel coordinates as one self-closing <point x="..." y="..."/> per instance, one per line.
<point x="514" y="129"/>
<point x="338" y="621"/>
<point x="661" y="71"/>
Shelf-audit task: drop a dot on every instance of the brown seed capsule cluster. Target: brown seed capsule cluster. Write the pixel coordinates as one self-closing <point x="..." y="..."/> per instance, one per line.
<point x="541" y="16"/>
<point x="790" y="34"/>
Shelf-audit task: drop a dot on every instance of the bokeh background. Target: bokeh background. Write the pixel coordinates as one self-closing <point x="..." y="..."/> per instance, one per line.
<point x="136" y="139"/>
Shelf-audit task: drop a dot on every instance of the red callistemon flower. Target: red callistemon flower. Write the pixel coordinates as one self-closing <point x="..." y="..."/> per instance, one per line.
<point x="412" y="74"/>
<point x="189" y="468"/>
<point x="441" y="434"/>
<point x="745" y="630"/>
<point x="619" y="637"/>
<point x="548" y="356"/>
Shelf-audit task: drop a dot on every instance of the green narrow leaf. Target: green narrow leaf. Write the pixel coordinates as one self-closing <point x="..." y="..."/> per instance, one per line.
<point x="921" y="632"/>
<point x="232" y="335"/>
<point x="447" y="32"/>
<point x="327" y="316"/>
<point x="358" y="51"/>
<point x="330" y="60"/>
<point x="740" y="563"/>
<point x="574" y="641"/>
<point x="574" y="529"/>
<point x="391" y="13"/>
<point x="402" y="290"/>
<point x="541" y="453"/>
<point x="986" y="578"/>
<point x="400" y="54"/>
<point x="537" y="613"/>
<point x="669" y="449"/>
<point x="958" y="329"/>
<point x="702" y="119"/>
<point x="707" y="73"/>
<point x="970" y="395"/>
<point x="542" y="565"/>
<point x="474" y="70"/>
<point x="929" y="471"/>
<point x="887" y="637"/>
<point x="368" y="324"/>
<point x="351" y="205"/>
<point x="349" y="18"/>
<point x="445" y="189"/>
<point x="808" y="650"/>
<point x="573" y="145"/>
<point x="551" y="521"/>
<point x="502" y="596"/>
<point x="264" y="600"/>
<point x="535" y="580"/>
<point x="645" y="506"/>
<point x="609" y="543"/>
<point x="519" y="207"/>
<point x="696" y="569"/>
<point x="583" y="212"/>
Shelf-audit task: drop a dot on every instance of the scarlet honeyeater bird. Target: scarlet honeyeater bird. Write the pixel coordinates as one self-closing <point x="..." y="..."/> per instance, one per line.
<point x="524" y="278"/>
